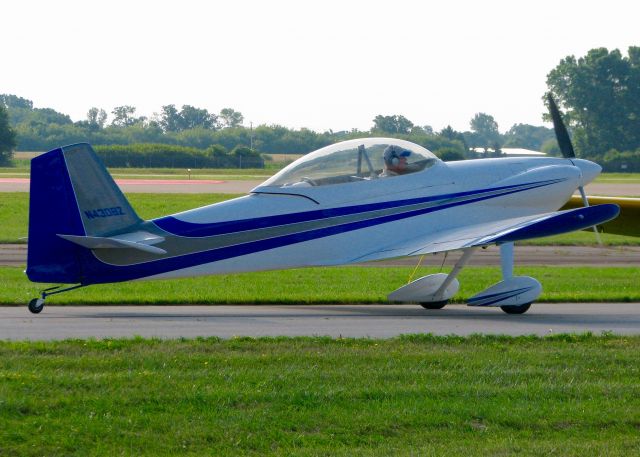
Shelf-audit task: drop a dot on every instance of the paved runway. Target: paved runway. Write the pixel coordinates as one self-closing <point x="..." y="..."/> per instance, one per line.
<point x="376" y="321"/>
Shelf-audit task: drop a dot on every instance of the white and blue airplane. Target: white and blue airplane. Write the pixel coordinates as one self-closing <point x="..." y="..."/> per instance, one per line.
<point x="355" y="201"/>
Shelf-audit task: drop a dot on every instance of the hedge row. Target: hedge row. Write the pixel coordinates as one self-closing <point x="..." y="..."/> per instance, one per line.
<point x="620" y="162"/>
<point x="171" y="156"/>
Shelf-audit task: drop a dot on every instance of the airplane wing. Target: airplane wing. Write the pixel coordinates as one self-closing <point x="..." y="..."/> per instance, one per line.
<point x="502" y="231"/>
<point x="627" y="223"/>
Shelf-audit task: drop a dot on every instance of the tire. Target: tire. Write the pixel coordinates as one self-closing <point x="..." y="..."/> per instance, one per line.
<point x="36" y="305"/>
<point x="513" y="309"/>
<point x="434" y="304"/>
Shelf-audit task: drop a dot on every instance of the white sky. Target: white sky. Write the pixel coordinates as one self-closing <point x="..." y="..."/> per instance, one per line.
<point x="317" y="64"/>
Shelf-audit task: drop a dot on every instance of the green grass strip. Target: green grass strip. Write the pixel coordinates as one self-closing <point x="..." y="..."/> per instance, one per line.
<point x="328" y="285"/>
<point x="570" y="395"/>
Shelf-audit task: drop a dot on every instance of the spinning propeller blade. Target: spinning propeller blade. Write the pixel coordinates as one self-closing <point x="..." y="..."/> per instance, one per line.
<point x="566" y="147"/>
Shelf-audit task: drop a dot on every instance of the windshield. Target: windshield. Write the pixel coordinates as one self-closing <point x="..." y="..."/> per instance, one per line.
<point x="354" y="160"/>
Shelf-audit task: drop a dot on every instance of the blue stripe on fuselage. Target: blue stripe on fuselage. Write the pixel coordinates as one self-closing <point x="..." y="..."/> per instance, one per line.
<point x="98" y="272"/>
<point x="178" y="227"/>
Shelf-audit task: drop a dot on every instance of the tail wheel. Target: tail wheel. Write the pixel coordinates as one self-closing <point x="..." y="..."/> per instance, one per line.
<point x="36" y="305"/>
<point x="434" y="304"/>
<point x="516" y="309"/>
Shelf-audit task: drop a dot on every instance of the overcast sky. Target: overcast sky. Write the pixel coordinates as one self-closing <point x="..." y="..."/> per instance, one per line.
<point x="317" y="64"/>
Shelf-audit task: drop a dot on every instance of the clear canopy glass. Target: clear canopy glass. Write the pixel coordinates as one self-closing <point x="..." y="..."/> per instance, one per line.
<point x="353" y="160"/>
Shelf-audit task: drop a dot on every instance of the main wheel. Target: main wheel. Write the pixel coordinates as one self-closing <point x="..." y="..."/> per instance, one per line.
<point x="434" y="304"/>
<point x="36" y="305"/>
<point x="516" y="309"/>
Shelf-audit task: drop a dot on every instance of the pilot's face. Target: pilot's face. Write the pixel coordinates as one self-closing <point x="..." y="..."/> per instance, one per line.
<point x="400" y="166"/>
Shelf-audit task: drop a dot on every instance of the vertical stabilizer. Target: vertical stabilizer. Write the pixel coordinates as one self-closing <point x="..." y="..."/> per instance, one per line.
<point x="71" y="194"/>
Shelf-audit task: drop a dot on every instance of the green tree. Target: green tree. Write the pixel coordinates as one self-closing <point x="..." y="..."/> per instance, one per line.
<point x="192" y="117"/>
<point x="449" y="133"/>
<point x="7" y="137"/>
<point x="123" y="116"/>
<point x="96" y="118"/>
<point x="527" y="136"/>
<point x="600" y="96"/>
<point x="13" y="101"/>
<point x="198" y="137"/>
<point x="450" y="155"/>
<point x="485" y="128"/>
<point x="246" y="157"/>
<point x="170" y="119"/>
<point x="395" y="124"/>
<point x="231" y="118"/>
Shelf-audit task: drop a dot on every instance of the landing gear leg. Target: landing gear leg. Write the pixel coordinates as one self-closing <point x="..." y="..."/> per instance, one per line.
<point x="462" y="261"/>
<point x="506" y="264"/>
<point x="36" y="305"/>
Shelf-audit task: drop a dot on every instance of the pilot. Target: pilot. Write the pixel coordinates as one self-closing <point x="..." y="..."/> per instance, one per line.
<point x="395" y="161"/>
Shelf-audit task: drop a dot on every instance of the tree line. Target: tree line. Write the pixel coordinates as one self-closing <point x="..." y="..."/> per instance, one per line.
<point x="38" y="129"/>
<point x="600" y="94"/>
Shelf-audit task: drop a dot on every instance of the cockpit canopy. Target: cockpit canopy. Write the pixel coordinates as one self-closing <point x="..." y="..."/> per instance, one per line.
<point x="353" y="160"/>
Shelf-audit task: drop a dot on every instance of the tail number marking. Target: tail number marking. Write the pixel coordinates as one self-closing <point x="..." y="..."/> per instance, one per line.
<point x="104" y="212"/>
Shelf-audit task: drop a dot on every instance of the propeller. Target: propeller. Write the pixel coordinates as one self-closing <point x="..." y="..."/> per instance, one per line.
<point x="566" y="148"/>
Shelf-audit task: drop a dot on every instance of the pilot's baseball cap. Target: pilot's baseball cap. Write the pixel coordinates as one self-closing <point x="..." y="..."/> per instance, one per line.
<point x="394" y="151"/>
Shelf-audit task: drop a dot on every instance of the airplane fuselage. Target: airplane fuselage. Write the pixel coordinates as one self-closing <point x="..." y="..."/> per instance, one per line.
<point x="340" y="224"/>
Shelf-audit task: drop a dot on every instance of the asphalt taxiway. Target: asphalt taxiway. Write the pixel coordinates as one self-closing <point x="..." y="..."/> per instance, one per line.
<point x="374" y="321"/>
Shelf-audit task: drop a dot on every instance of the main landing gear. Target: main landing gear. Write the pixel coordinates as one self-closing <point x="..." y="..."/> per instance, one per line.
<point x="36" y="305"/>
<point x="513" y="295"/>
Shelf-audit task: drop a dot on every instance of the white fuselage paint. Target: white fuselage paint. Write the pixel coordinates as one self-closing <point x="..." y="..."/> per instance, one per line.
<point x="564" y="177"/>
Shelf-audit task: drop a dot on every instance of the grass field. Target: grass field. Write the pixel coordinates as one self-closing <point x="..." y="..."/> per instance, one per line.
<point x="621" y="178"/>
<point x="14" y="209"/>
<point x="575" y="395"/>
<point x="328" y="285"/>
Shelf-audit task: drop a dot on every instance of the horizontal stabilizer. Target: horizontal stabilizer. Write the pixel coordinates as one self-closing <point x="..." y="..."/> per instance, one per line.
<point x="142" y="241"/>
